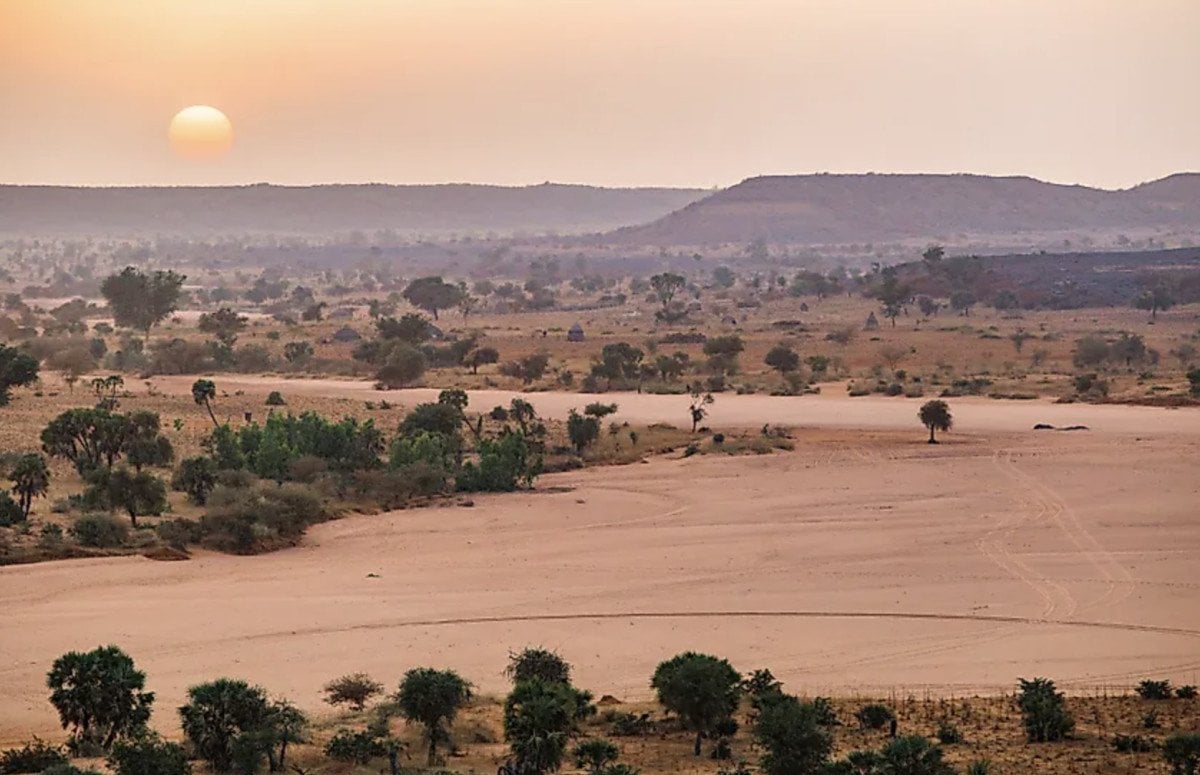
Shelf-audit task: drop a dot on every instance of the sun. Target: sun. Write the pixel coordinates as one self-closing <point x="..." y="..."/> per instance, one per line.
<point x="200" y="132"/>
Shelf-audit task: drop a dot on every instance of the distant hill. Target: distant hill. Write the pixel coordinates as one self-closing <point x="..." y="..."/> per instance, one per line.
<point x="54" y="210"/>
<point x="838" y="209"/>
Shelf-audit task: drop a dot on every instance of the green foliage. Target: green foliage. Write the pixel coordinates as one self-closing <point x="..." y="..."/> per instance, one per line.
<point x="138" y="493"/>
<point x="792" y="738"/>
<point x="92" y="438"/>
<point x="432" y="294"/>
<point x="783" y="359"/>
<point x="1154" y="690"/>
<point x="354" y="690"/>
<point x="34" y="756"/>
<point x="11" y="512"/>
<point x="261" y="518"/>
<point x="539" y="719"/>
<point x="582" y="430"/>
<point x="217" y="713"/>
<point x="948" y="734"/>
<point x="1193" y="377"/>
<point x="595" y="755"/>
<point x="504" y="463"/>
<point x="874" y="716"/>
<point x="912" y="755"/>
<point x="528" y="369"/>
<point x="1182" y="752"/>
<point x="432" y="698"/>
<point x="196" y="476"/>
<point x="149" y="755"/>
<point x="618" y="361"/>
<point x="1043" y="711"/>
<point x="399" y="365"/>
<point x="139" y="300"/>
<point x="100" y="531"/>
<point x="99" y="695"/>
<point x="17" y="369"/>
<point x="224" y="325"/>
<point x="722" y="352"/>
<point x="701" y="689"/>
<point x="1132" y="744"/>
<point x="30" y="478"/>
<point x="269" y="449"/>
<point x="356" y="747"/>
<point x="535" y="663"/>
<point x="935" y="415"/>
<point x="275" y="398"/>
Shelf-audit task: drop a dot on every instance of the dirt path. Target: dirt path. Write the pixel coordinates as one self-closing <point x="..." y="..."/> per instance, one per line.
<point x="862" y="562"/>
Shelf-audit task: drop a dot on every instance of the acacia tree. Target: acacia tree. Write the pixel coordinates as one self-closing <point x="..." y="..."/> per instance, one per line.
<point x="99" y="695"/>
<point x="141" y="301"/>
<point x="1154" y="300"/>
<point x="138" y="493"/>
<point x="17" y="369"/>
<point x="432" y="698"/>
<point x="783" y="359"/>
<point x="224" y="325"/>
<point x="702" y="690"/>
<point x="203" y="393"/>
<point x="666" y="285"/>
<point x="30" y="478"/>
<point x="698" y="408"/>
<point x="935" y="415"/>
<point x="793" y="740"/>
<point x="432" y="294"/>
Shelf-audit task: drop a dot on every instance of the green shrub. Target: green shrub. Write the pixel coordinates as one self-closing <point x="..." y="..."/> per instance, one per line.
<point x="196" y="476"/>
<point x="874" y="716"/>
<point x="275" y="398"/>
<point x="354" y="690"/>
<point x="34" y="756"/>
<point x="1043" y="711"/>
<point x="1182" y="752"/>
<point x="100" y="531"/>
<point x="149" y="755"/>
<point x="179" y="533"/>
<point x="261" y="518"/>
<point x="355" y="747"/>
<point x="10" y="511"/>
<point x="1154" y="690"/>
<point x="1132" y="744"/>
<point x="948" y="734"/>
<point x="1186" y="692"/>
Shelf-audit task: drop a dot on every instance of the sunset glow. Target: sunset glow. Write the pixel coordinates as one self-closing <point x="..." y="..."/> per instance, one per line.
<point x="200" y="132"/>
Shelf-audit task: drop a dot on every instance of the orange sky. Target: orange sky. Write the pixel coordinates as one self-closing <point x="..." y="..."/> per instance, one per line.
<point x="612" y="92"/>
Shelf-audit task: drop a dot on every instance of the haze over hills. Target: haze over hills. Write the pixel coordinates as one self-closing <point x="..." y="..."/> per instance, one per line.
<point x="833" y="209"/>
<point x="200" y="211"/>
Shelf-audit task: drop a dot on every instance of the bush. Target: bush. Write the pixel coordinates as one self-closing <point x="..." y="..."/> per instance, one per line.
<point x="10" y="511"/>
<point x="948" y="734"/>
<point x="261" y="518"/>
<point x="629" y="725"/>
<point x="1182" y="752"/>
<point x="100" y="531"/>
<point x="540" y="664"/>
<point x="275" y="398"/>
<point x="149" y="756"/>
<point x="195" y="476"/>
<point x="1154" y="690"/>
<point x="354" y="690"/>
<point x="355" y="747"/>
<point x="874" y="716"/>
<point x="34" y="756"/>
<point x="1132" y="744"/>
<point x="1043" y="711"/>
<point x="1186" y="692"/>
<point x="179" y="533"/>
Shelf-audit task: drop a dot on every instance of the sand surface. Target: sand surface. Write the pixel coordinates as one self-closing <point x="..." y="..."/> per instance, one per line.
<point x="863" y="562"/>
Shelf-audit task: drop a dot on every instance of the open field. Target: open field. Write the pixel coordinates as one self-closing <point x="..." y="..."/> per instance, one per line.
<point x="864" y="562"/>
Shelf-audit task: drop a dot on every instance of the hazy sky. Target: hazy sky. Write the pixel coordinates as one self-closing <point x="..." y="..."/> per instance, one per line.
<point x="611" y="92"/>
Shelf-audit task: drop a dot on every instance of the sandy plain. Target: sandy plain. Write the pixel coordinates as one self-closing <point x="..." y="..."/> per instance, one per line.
<point x="865" y="562"/>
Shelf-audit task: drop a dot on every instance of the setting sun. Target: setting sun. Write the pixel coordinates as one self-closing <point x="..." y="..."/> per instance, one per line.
<point x="200" y="132"/>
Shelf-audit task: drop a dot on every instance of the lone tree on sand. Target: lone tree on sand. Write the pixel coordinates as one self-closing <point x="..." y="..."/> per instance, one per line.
<point x="936" y="417"/>
<point x="702" y="690"/>
<point x="432" y="698"/>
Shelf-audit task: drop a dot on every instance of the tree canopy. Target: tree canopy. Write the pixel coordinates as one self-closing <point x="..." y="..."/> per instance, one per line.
<point x="139" y="300"/>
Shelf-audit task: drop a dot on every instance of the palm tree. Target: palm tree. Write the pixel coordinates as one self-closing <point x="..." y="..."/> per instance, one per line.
<point x="936" y="417"/>
<point x="30" y="479"/>
<point x="203" y="393"/>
